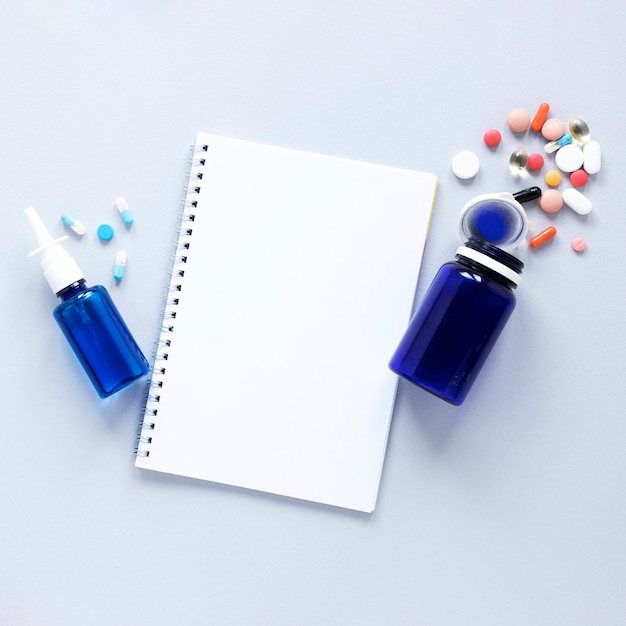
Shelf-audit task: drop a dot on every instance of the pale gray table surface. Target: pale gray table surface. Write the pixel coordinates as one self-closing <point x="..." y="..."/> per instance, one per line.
<point x="508" y="511"/>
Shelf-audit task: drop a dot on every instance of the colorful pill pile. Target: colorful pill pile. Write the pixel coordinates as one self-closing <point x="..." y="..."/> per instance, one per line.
<point x="570" y="155"/>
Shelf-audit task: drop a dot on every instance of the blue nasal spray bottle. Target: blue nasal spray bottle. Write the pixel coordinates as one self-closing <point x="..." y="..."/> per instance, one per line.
<point x="88" y="318"/>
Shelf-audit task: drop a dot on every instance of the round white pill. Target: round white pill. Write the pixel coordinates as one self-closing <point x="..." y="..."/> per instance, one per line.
<point x="593" y="157"/>
<point x="576" y="201"/>
<point x="465" y="165"/>
<point x="569" y="158"/>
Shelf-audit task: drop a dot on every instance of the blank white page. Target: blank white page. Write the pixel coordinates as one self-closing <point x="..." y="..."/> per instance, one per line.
<point x="297" y="287"/>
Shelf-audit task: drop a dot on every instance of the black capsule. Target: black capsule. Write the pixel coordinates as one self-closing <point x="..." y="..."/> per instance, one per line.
<point x="526" y="195"/>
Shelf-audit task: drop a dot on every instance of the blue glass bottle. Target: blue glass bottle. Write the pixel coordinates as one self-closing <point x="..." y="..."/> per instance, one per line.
<point x="461" y="317"/>
<point x="99" y="338"/>
<point x="88" y="318"/>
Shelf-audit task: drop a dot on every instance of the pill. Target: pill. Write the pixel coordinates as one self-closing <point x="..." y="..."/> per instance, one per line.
<point x="553" y="128"/>
<point x="544" y="236"/>
<point x="569" y="158"/>
<point x="551" y="201"/>
<point x="535" y="162"/>
<point x="518" y="160"/>
<point x="528" y="194"/>
<point x="553" y="178"/>
<point x="592" y="160"/>
<point x="579" y="129"/>
<point x="70" y="222"/>
<point x="465" y="165"/>
<point x="579" y="244"/>
<point x="124" y="211"/>
<point x="553" y="146"/>
<point x="540" y="117"/>
<point x="518" y="120"/>
<point x="492" y="137"/>
<point x="119" y="267"/>
<point x="578" y="178"/>
<point x="105" y="232"/>
<point x="576" y="201"/>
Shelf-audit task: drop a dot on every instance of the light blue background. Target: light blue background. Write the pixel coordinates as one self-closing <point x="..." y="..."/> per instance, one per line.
<point x="510" y="510"/>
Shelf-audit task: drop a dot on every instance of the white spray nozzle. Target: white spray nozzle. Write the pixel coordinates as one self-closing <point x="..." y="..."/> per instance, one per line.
<point x="44" y="238"/>
<point x="59" y="268"/>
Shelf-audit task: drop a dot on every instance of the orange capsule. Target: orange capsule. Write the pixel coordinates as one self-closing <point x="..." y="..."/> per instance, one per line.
<point x="540" y="117"/>
<point x="540" y="238"/>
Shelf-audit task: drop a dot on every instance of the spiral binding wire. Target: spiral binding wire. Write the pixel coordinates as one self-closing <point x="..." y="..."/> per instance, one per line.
<point x="180" y="257"/>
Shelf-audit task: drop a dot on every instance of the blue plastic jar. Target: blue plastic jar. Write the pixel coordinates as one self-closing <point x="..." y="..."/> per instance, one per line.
<point x="461" y="317"/>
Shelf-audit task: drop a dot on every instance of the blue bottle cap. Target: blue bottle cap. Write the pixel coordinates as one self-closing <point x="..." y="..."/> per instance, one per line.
<point x="496" y="218"/>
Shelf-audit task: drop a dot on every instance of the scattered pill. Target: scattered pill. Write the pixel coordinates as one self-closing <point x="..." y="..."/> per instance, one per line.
<point x="124" y="211"/>
<point x="535" y="162"/>
<point x="465" y="165"/>
<point x="105" y="232"/>
<point x="540" y="117"/>
<point x="578" y="178"/>
<point x="528" y="194"/>
<point x="543" y="237"/>
<point x="553" y="129"/>
<point x="492" y="137"/>
<point x="518" y="160"/>
<point x="576" y="201"/>
<point x="579" y="244"/>
<point x="579" y="129"/>
<point x="554" y="145"/>
<point x="70" y="222"/>
<point x="553" y="178"/>
<point x="551" y="200"/>
<point x="518" y="120"/>
<point x="592" y="160"/>
<point x="569" y="158"/>
<point x="119" y="268"/>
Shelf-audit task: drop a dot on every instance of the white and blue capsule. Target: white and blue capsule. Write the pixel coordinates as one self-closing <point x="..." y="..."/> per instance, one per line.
<point x="563" y="140"/>
<point x="125" y="213"/>
<point x="70" y="222"/>
<point x="119" y="267"/>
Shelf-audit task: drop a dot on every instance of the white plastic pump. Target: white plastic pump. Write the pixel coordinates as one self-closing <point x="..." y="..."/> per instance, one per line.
<point x="59" y="268"/>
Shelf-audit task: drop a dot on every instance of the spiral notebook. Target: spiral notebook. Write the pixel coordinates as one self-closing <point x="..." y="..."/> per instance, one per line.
<point x="292" y="283"/>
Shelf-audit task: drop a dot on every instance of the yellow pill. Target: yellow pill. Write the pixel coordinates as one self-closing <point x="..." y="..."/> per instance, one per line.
<point x="553" y="178"/>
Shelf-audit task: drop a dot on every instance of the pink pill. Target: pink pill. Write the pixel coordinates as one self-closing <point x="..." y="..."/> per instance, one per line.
<point x="553" y="129"/>
<point x="535" y="162"/>
<point x="518" y="120"/>
<point x="551" y="200"/>
<point x="578" y="178"/>
<point x="579" y="244"/>
<point x="492" y="137"/>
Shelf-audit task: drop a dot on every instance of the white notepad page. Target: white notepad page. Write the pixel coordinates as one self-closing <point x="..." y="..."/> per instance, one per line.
<point x="298" y="284"/>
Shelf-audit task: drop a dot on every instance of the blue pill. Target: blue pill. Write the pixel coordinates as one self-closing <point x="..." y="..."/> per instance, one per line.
<point x="124" y="211"/>
<point x="105" y="232"/>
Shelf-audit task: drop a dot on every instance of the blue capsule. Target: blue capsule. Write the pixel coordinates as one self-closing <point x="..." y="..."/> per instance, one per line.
<point x="70" y="222"/>
<point x="125" y="213"/>
<point x="119" y="268"/>
<point x="553" y="146"/>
